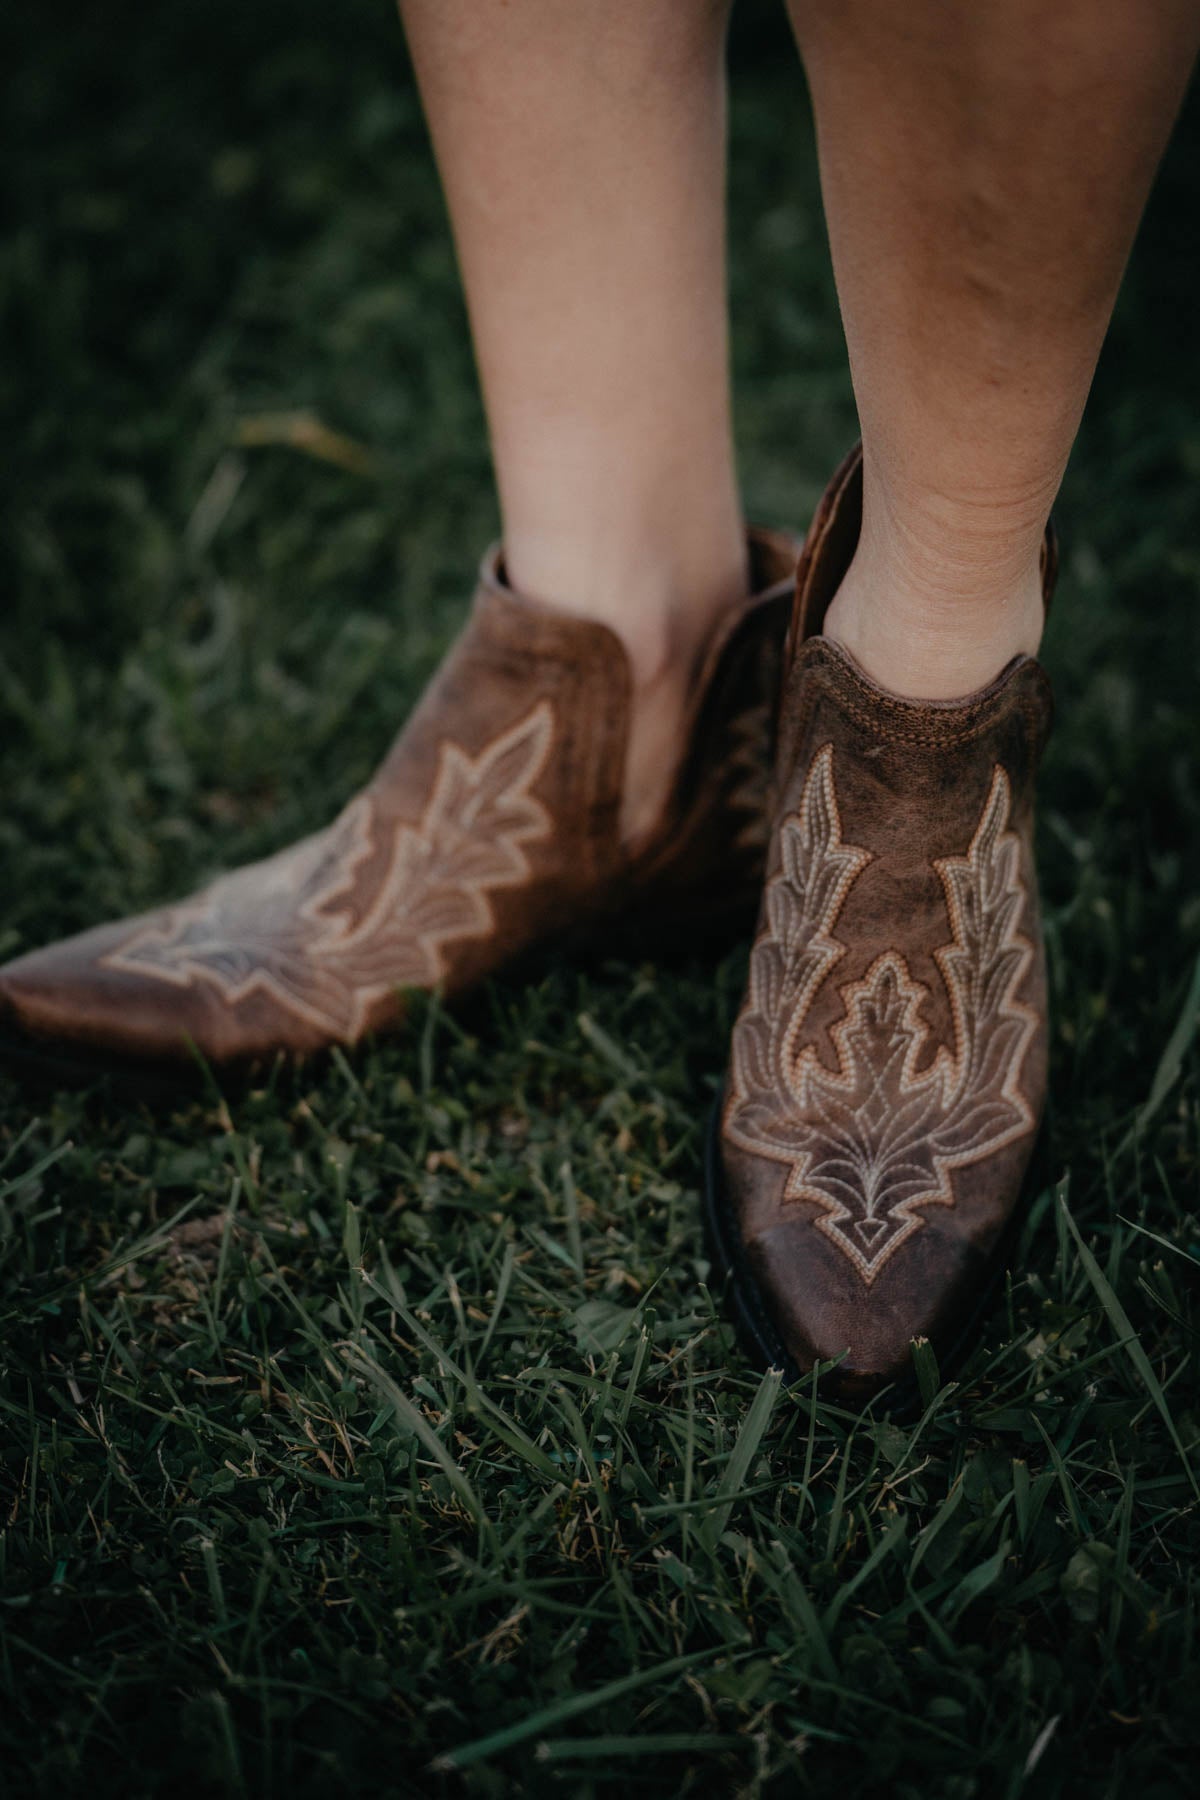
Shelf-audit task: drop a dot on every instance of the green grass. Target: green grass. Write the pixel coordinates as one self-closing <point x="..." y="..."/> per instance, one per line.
<point x="377" y="1430"/>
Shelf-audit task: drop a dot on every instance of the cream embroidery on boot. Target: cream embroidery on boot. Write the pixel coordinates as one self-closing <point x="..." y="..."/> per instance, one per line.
<point x="274" y="928"/>
<point x="875" y="1139"/>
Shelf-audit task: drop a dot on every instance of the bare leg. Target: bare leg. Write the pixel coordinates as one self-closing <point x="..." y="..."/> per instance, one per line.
<point x="984" y="170"/>
<point x="581" y="145"/>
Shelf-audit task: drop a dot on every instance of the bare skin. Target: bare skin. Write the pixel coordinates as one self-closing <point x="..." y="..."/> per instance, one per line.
<point x="581" y="146"/>
<point x="984" y="170"/>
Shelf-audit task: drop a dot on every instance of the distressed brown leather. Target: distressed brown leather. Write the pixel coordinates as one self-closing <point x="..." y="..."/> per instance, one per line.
<point x="491" y="826"/>
<point x="888" y="1064"/>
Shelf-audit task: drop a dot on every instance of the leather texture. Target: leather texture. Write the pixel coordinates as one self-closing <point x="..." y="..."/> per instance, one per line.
<point x="888" y="1064"/>
<point x="492" y="826"/>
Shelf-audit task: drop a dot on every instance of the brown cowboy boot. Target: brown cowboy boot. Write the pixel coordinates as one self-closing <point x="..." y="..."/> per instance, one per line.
<point x="888" y="1064"/>
<point x="491" y="827"/>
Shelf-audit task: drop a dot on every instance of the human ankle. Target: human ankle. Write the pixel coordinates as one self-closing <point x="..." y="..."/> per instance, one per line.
<point x="664" y="597"/>
<point x="666" y="640"/>
<point x="935" y="614"/>
<point x="933" y="649"/>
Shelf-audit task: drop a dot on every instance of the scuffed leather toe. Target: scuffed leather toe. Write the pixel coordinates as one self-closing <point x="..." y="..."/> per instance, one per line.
<point x="79" y="992"/>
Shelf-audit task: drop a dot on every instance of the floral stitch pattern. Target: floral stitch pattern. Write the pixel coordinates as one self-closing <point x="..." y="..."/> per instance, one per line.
<point x="877" y="1138"/>
<point x="276" y="928"/>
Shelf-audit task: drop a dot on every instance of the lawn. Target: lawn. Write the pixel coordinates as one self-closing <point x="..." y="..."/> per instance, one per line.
<point x="376" y="1429"/>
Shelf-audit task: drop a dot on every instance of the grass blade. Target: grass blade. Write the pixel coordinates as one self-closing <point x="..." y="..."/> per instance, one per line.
<point x="744" y="1451"/>
<point x="416" y="1421"/>
<point x="560" y="1711"/>
<point x="1120" y="1321"/>
<point x="1171" y="1061"/>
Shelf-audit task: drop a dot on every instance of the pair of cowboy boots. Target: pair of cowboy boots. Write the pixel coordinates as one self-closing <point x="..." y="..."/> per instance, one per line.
<point x="887" y="1067"/>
